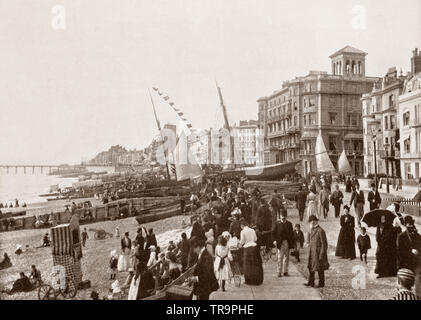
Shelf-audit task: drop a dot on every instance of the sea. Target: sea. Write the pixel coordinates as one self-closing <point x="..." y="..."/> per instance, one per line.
<point x="27" y="186"/>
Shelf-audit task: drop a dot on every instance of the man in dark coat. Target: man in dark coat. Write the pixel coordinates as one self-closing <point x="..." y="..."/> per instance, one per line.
<point x="203" y="275"/>
<point x="373" y="198"/>
<point x="264" y="224"/>
<point x="301" y="199"/>
<point x="283" y="234"/>
<point x="336" y="199"/>
<point x="409" y="251"/>
<point x="317" y="255"/>
<point x="275" y="203"/>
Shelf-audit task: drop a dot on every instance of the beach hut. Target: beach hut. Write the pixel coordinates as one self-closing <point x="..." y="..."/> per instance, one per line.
<point x="67" y="249"/>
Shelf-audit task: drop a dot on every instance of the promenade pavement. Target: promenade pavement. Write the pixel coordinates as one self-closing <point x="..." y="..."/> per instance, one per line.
<point x="273" y="288"/>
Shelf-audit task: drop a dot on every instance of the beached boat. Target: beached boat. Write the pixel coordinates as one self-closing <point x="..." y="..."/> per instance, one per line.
<point x="176" y="290"/>
<point x="268" y="172"/>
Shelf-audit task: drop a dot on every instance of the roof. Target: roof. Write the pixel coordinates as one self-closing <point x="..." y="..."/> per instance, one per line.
<point x="348" y="49"/>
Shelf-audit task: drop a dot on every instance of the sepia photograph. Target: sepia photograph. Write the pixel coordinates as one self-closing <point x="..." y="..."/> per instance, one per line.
<point x="211" y="155"/>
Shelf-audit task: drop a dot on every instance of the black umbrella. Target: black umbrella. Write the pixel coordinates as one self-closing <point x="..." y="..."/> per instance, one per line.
<point x="372" y="218"/>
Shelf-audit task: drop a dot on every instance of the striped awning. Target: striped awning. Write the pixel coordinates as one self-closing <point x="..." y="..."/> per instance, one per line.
<point x="61" y="240"/>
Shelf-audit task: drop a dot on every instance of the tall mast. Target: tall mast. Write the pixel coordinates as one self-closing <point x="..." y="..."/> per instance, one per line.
<point x="162" y="138"/>
<point x="227" y="126"/>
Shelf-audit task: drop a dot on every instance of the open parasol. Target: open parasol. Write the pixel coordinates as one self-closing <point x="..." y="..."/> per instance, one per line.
<point x="372" y="218"/>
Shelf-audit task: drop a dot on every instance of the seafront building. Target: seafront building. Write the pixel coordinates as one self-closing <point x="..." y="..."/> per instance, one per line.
<point x="380" y="125"/>
<point x="409" y="114"/>
<point x="318" y="103"/>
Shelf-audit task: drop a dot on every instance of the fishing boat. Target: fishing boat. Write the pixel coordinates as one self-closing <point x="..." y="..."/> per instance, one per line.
<point x="176" y="290"/>
<point x="268" y="172"/>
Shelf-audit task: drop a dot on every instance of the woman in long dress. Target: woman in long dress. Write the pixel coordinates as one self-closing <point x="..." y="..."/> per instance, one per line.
<point x="345" y="247"/>
<point x="221" y="265"/>
<point x="312" y="205"/>
<point x="252" y="260"/>
<point x="386" y="254"/>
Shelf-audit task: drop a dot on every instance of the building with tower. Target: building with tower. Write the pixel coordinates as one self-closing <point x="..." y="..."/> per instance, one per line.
<point x="318" y="103"/>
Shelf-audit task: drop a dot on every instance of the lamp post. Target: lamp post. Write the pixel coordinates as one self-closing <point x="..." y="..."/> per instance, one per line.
<point x="375" y="159"/>
<point x="387" y="167"/>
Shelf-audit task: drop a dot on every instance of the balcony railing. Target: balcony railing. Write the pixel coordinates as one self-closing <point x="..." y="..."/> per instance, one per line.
<point x="306" y="152"/>
<point x="351" y="152"/>
<point x="415" y="123"/>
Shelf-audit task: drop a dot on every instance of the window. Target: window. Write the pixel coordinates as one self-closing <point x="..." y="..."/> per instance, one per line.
<point x="312" y="102"/>
<point x="305" y="119"/>
<point x="408" y="173"/>
<point x="295" y="105"/>
<point x="332" y="117"/>
<point x="392" y="122"/>
<point x="353" y="119"/>
<point x="386" y="140"/>
<point x="407" y="145"/>
<point x="386" y="123"/>
<point x="305" y="103"/>
<point x="391" y="100"/>
<point x="406" y="118"/>
<point x="295" y="120"/>
<point x="332" y="143"/>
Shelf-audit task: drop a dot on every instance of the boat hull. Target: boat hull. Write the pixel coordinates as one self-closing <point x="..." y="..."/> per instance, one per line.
<point x="271" y="172"/>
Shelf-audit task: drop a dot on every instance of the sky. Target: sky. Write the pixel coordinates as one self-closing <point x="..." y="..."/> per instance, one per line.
<point x="67" y="94"/>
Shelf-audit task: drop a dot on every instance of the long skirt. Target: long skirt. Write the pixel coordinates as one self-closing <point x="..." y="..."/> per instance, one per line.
<point x="252" y="266"/>
<point x="312" y="209"/>
<point x="124" y="261"/>
<point x="134" y="288"/>
<point x="345" y="247"/>
<point x="223" y="273"/>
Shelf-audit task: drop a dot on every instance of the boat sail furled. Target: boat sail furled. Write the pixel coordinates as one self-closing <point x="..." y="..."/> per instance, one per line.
<point x="343" y="163"/>
<point x="323" y="162"/>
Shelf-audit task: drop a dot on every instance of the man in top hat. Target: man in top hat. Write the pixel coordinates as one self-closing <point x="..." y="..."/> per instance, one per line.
<point x="317" y="256"/>
<point x="405" y="282"/>
<point x="283" y="234"/>
<point x="409" y="251"/>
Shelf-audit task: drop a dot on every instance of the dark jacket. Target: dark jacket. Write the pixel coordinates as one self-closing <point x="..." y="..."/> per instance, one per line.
<point x="357" y="198"/>
<point x="151" y="241"/>
<point x="125" y="245"/>
<point x="283" y="231"/>
<point x="264" y="218"/>
<point x="301" y="199"/>
<point x="317" y="255"/>
<point x="298" y="238"/>
<point x="204" y="271"/>
<point x="405" y="243"/>
<point x="374" y="200"/>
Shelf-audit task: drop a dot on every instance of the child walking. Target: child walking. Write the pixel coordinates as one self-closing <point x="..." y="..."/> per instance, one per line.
<point x="364" y="244"/>
<point x="113" y="264"/>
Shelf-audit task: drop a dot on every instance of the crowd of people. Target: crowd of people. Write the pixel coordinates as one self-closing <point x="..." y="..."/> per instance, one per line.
<point x="234" y="225"/>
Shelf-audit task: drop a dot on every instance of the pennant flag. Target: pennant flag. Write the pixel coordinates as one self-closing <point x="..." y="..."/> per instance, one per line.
<point x="166" y="98"/>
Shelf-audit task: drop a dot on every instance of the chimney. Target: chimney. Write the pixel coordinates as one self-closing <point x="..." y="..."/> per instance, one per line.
<point x="416" y="62"/>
